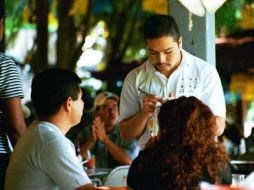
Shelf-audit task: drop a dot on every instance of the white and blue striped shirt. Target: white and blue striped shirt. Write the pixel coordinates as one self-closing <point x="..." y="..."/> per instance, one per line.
<point x="10" y="87"/>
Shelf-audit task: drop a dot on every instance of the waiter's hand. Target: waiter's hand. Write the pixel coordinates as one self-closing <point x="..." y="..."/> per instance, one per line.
<point x="149" y="104"/>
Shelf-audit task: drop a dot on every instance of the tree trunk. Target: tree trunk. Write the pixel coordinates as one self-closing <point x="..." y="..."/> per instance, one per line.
<point x="40" y="61"/>
<point x="121" y="34"/>
<point x="68" y="48"/>
<point x="84" y="29"/>
<point x="66" y="33"/>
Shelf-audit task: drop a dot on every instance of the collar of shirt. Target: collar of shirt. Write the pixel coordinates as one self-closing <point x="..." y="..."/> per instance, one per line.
<point x="48" y="125"/>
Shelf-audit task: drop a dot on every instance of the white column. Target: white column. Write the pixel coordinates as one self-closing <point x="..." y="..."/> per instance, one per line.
<point x="200" y="41"/>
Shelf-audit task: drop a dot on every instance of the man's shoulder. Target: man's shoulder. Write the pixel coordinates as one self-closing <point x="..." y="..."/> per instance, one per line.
<point x="196" y="61"/>
<point x="139" y="72"/>
<point x="4" y="58"/>
<point x="49" y="133"/>
<point x="196" y="64"/>
<point x="139" y="69"/>
<point x="7" y="65"/>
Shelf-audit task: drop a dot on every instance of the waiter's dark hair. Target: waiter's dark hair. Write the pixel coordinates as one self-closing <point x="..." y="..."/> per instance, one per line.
<point x="161" y="25"/>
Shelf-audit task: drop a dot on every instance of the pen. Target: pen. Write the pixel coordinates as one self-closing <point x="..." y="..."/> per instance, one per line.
<point x="142" y="91"/>
<point x="164" y="98"/>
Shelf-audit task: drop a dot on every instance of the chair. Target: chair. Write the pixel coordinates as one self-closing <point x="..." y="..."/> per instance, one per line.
<point x="117" y="177"/>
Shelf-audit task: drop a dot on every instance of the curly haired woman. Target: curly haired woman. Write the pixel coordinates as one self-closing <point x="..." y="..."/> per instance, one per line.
<point x="184" y="152"/>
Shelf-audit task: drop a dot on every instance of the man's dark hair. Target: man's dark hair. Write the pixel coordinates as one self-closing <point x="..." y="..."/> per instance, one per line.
<point x="1" y="9"/>
<point x="51" y="88"/>
<point x="161" y="25"/>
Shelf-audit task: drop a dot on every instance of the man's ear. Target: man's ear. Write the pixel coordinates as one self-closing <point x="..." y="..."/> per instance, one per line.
<point x="180" y="42"/>
<point x="68" y="104"/>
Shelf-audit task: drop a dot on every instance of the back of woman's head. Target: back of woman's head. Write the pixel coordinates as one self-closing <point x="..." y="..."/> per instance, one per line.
<point x="186" y="143"/>
<point x="186" y="121"/>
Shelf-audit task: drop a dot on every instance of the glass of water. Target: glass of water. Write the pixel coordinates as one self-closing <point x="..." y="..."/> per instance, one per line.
<point x="237" y="179"/>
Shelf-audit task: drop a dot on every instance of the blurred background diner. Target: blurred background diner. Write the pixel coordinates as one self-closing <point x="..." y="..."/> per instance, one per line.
<point x="102" y="137"/>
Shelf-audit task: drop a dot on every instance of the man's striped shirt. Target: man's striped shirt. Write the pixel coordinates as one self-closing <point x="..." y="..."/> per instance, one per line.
<point x="10" y="87"/>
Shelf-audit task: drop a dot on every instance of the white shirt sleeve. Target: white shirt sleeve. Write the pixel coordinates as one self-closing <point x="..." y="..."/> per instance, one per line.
<point x="129" y="101"/>
<point x="213" y="94"/>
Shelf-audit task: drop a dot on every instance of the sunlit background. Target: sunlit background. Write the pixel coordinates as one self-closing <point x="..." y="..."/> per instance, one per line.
<point x="110" y="36"/>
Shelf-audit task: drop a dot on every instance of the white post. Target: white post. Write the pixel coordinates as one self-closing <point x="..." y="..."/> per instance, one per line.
<point x="200" y="41"/>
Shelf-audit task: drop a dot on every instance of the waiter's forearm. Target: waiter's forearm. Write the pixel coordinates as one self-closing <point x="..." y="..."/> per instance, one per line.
<point x="133" y="127"/>
<point x="220" y="121"/>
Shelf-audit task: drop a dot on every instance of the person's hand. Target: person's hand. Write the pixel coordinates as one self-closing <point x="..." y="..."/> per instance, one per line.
<point x="149" y="104"/>
<point x="93" y="137"/>
<point x="99" y="129"/>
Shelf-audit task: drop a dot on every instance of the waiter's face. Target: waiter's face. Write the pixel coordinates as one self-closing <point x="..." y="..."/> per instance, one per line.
<point x="165" y="53"/>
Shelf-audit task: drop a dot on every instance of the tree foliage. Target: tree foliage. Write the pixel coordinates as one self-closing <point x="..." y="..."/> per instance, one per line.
<point x="76" y="18"/>
<point x="229" y="17"/>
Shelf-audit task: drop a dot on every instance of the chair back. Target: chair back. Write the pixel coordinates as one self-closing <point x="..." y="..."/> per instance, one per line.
<point x="117" y="177"/>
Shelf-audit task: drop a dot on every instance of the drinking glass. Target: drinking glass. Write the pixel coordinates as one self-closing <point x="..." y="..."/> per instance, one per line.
<point x="237" y="179"/>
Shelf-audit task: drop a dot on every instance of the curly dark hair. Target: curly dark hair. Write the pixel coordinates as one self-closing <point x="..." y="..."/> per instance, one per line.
<point x="186" y="144"/>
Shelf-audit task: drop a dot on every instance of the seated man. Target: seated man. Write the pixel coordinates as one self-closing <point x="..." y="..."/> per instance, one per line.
<point x="103" y="137"/>
<point x="44" y="158"/>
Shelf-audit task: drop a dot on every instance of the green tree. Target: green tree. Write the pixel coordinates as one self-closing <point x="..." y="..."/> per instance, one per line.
<point x="69" y="48"/>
